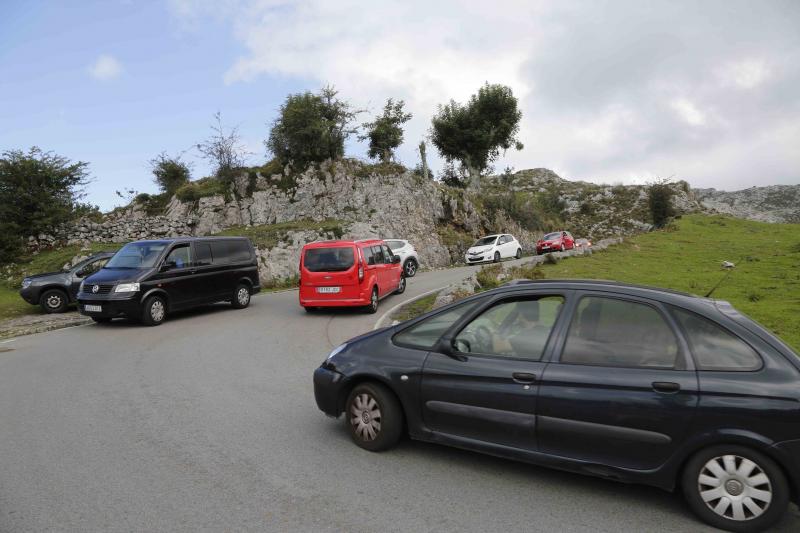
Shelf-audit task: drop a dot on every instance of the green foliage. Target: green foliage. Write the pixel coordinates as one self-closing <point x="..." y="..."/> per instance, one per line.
<point x="38" y="191"/>
<point x="224" y="150"/>
<point x="487" y="277"/>
<point x="659" y="200"/>
<point x="170" y="173"/>
<point x="311" y="128"/>
<point x="154" y="204"/>
<point x="416" y="308"/>
<point x="476" y="132"/>
<point x="387" y="168"/>
<point x="267" y="236"/>
<point x="194" y="190"/>
<point x="385" y="133"/>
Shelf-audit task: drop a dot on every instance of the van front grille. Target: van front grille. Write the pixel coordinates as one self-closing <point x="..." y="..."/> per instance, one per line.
<point x="88" y="288"/>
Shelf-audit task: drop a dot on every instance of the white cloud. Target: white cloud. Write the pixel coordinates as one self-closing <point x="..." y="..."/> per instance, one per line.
<point x="606" y="89"/>
<point x="106" y="67"/>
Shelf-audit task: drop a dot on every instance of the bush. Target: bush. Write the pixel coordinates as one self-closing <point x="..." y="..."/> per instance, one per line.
<point x="194" y="190"/>
<point x="659" y="200"/>
<point x="385" y="133"/>
<point x="487" y="277"/>
<point x="170" y="173"/>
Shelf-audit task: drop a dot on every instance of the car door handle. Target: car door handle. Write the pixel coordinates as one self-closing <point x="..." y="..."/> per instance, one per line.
<point x="523" y="377"/>
<point x="666" y="386"/>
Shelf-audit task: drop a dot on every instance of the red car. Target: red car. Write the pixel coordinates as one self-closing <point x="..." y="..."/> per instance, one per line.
<point x="349" y="274"/>
<point x="557" y="241"/>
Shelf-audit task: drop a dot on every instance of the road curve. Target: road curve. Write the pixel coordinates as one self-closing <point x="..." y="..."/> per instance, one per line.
<point x="208" y="423"/>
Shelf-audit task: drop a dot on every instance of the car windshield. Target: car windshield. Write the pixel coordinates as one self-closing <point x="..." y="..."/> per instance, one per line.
<point x="329" y="259"/>
<point x="395" y="245"/>
<point x="485" y="241"/>
<point x="137" y="255"/>
<point x="551" y="236"/>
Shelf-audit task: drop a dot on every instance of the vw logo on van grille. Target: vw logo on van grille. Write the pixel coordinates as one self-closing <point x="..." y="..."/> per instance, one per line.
<point x="95" y="288"/>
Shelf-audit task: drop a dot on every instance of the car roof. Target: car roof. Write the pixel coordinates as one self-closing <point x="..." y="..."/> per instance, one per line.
<point x="335" y="243"/>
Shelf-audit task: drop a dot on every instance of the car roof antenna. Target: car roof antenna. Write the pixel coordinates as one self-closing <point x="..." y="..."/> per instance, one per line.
<point x="728" y="266"/>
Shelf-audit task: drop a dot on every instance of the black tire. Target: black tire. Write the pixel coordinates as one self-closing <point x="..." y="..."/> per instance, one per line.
<point x="496" y="257"/>
<point x="562" y="247"/>
<point x="53" y="301"/>
<point x="519" y="253"/>
<point x="311" y="309"/>
<point x="401" y="287"/>
<point x="154" y="311"/>
<point x="770" y="512"/>
<point x="372" y="308"/>
<point x="410" y="268"/>
<point x="101" y="319"/>
<point x="370" y="404"/>
<point x="241" y="296"/>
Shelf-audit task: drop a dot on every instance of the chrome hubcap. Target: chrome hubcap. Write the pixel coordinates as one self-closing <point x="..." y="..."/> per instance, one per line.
<point x="157" y="311"/>
<point x="243" y="296"/>
<point x="402" y="284"/>
<point x="365" y="416"/>
<point x="411" y="268"/>
<point x="54" y="301"/>
<point x="374" y="301"/>
<point x="735" y="487"/>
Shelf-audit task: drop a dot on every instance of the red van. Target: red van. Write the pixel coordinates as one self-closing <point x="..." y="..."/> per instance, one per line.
<point x="349" y="274"/>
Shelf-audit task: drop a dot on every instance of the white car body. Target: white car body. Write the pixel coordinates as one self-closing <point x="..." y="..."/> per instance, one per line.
<point x="493" y="247"/>
<point x="408" y="255"/>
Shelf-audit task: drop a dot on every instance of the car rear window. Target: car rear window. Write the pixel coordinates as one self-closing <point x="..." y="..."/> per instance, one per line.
<point x="332" y="259"/>
<point x="230" y="251"/>
<point x="714" y="348"/>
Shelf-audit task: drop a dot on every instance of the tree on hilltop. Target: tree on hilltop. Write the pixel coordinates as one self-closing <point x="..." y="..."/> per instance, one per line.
<point x="170" y="173"/>
<point x="474" y="133"/>
<point x="224" y="149"/>
<point x="385" y="133"/>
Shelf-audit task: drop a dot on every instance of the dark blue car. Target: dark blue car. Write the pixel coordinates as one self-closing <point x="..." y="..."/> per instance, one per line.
<point x="624" y="382"/>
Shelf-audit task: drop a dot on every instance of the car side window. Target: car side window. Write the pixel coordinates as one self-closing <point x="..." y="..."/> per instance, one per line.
<point x="378" y="253"/>
<point x="202" y="254"/>
<point x="369" y="257"/>
<point x="516" y="328"/>
<point x="387" y="254"/>
<point x="425" y="334"/>
<point x="93" y="267"/>
<point x="180" y="256"/>
<point x="714" y="348"/>
<point x="613" y="332"/>
<point x="503" y="239"/>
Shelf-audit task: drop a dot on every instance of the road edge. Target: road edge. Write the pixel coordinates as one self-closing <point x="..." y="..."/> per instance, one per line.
<point x="385" y="317"/>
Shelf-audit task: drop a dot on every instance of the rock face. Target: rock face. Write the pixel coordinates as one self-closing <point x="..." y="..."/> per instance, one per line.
<point x="775" y="203"/>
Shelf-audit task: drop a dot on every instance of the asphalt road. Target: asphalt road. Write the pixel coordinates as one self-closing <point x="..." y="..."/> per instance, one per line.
<point x="208" y="423"/>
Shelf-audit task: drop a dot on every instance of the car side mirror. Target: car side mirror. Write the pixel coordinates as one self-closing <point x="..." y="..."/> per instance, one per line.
<point x="395" y="259"/>
<point x="168" y="265"/>
<point x="449" y="347"/>
<point x="80" y="273"/>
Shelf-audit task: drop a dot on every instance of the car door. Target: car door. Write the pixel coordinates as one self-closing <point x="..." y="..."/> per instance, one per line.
<point x="209" y="276"/>
<point x="623" y="390"/>
<point x="503" y="246"/>
<point x="380" y="268"/>
<point x="392" y="270"/>
<point x="569" y="241"/>
<point x="482" y="383"/>
<point x="177" y="276"/>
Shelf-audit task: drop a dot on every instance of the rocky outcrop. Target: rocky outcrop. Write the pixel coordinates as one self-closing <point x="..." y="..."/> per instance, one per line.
<point x="774" y="203"/>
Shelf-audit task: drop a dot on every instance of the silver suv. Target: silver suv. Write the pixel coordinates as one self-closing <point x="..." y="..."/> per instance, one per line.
<point x="408" y="255"/>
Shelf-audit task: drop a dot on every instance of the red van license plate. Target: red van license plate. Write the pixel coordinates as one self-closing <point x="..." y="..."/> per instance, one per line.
<point x="328" y="290"/>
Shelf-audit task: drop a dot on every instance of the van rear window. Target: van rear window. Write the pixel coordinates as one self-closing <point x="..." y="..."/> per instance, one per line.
<point x="328" y="259"/>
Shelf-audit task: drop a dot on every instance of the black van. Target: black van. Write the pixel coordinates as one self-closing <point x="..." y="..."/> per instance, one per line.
<point x="145" y="280"/>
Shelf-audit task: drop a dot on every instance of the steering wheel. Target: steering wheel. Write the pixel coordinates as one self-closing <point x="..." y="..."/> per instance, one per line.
<point x="483" y="339"/>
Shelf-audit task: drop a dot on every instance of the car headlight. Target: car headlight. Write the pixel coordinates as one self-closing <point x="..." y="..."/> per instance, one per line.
<point x="127" y="287"/>
<point x="335" y="351"/>
<point x="26" y="283"/>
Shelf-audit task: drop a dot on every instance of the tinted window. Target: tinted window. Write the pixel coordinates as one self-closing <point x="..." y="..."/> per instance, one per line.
<point x="335" y="259"/>
<point x="425" y="334"/>
<point x="395" y="245"/>
<point x="713" y="347"/>
<point x="610" y="332"/>
<point x="551" y="236"/>
<point x="202" y="253"/>
<point x="369" y="257"/>
<point x="137" y="255"/>
<point x="378" y="253"/>
<point x="93" y="266"/>
<point x="516" y="328"/>
<point x="230" y="251"/>
<point x="180" y="256"/>
<point x="387" y="254"/>
<point x="485" y="241"/>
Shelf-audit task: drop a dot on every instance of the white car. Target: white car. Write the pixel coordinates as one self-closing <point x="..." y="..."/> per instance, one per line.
<point x="494" y="248"/>
<point x="408" y="255"/>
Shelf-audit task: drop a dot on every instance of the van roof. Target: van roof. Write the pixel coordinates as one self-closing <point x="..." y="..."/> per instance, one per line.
<point x="169" y="240"/>
<point x="328" y="244"/>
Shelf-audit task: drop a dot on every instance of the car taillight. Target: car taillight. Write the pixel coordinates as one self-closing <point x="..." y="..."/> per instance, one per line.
<point x="360" y="272"/>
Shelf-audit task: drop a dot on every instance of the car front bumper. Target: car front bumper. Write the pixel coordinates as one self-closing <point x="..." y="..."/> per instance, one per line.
<point x="111" y="307"/>
<point x="328" y="385"/>
<point x="30" y="295"/>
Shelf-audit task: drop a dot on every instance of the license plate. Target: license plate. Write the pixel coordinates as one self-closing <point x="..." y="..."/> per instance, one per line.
<point x="93" y="308"/>
<point x="328" y="290"/>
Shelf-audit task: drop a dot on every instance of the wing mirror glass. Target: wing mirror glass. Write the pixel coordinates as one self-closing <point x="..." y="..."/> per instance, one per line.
<point x="395" y="259"/>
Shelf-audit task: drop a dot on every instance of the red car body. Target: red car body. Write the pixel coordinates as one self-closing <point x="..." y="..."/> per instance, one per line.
<point x="345" y="273"/>
<point x="557" y="241"/>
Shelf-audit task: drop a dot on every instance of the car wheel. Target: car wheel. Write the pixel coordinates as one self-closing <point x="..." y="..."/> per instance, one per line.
<point x="311" y="309"/>
<point x="410" y="268"/>
<point x="496" y="257"/>
<point x="519" y="253"/>
<point x="155" y="311"/>
<point x="401" y="287"/>
<point x="735" y="488"/>
<point x="101" y="319"/>
<point x="372" y="308"/>
<point x="562" y="247"/>
<point x="374" y="417"/>
<point x="53" y="301"/>
<point x="241" y="297"/>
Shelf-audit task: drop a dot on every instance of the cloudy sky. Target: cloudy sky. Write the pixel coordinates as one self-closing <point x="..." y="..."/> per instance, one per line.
<point x="617" y="91"/>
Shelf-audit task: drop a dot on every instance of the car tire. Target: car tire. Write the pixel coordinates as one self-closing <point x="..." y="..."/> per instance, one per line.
<point x="374" y="417"/>
<point x="101" y="319"/>
<point x="401" y="287"/>
<point x="720" y="467"/>
<point x="410" y="268"/>
<point x="496" y="257"/>
<point x="372" y="308"/>
<point x="241" y="296"/>
<point x="519" y="253"/>
<point x="310" y="309"/>
<point x="53" y="301"/>
<point x="154" y="311"/>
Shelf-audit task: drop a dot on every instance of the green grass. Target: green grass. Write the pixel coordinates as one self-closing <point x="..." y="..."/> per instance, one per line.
<point x="687" y="256"/>
<point x="269" y="235"/>
<point x="416" y="308"/>
<point x="11" y="304"/>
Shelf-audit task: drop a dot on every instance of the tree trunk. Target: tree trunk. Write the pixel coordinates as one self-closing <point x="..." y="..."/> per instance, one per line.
<point x="474" y="177"/>
<point x="424" y="159"/>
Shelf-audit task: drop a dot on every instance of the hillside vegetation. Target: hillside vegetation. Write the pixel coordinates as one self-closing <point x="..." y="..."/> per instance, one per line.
<point x="687" y="256"/>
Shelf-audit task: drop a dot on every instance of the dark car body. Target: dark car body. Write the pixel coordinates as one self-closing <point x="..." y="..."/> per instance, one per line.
<point x="627" y="424"/>
<point x="212" y="269"/>
<point x="66" y="281"/>
<point x="555" y="242"/>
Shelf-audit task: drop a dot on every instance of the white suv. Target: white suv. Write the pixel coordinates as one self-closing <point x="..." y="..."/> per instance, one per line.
<point x="408" y="255"/>
<point x="494" y="248"/>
